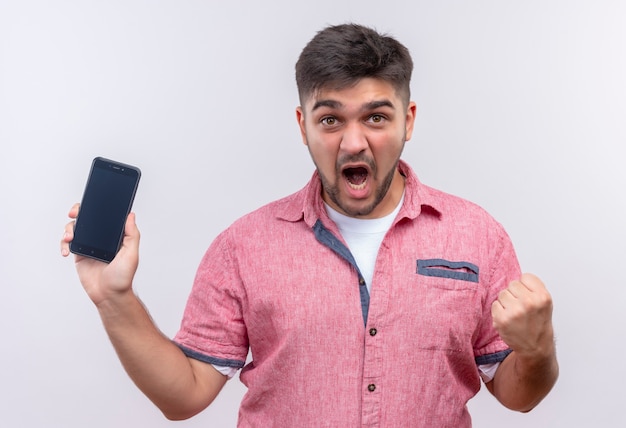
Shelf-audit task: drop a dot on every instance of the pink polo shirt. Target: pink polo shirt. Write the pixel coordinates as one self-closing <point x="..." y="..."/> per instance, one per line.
<point x="281" y="283"/>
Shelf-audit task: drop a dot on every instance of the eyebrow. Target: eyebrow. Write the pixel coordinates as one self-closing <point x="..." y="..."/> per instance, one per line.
<point x="367" y="106"/>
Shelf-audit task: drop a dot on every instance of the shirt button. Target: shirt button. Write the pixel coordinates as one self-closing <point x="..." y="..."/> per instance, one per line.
<point x="371" y="387"/>
<point x="361" y="281"/>
<point x="373" y="332"/>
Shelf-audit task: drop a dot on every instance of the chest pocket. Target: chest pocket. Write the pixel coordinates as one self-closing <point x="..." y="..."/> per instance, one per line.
<point x="450" y="275"/>
<point x="450" y="310"/>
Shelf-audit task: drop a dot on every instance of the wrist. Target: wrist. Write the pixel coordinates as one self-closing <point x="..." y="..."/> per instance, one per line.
<point x="538" y="360"/>
<point x="115" y="302"/>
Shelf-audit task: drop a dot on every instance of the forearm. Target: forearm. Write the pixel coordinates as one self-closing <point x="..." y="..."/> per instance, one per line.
<point x="521" y="383"/>
<point x="156" y="365"/>
<point x="179" y="386"/>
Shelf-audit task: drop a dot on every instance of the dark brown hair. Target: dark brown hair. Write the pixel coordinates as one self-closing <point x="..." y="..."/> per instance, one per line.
<point x="339" y="56"/>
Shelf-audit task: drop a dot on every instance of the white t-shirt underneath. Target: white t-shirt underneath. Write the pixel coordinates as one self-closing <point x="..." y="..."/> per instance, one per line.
<point x="364" y="237"/>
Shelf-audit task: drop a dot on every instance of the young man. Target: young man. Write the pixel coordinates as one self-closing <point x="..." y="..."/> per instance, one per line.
<point x="366" y="298"/>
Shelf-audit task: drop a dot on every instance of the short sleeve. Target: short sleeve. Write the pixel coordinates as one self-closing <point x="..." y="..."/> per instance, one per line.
<point x="213" y="328"/>
<point x="489" y="347"/>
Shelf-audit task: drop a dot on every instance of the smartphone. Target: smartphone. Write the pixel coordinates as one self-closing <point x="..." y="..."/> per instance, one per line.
<point x="107" y="201"/>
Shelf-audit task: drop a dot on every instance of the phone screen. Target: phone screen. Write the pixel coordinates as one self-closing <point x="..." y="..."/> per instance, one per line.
<point x="106" y="203"/>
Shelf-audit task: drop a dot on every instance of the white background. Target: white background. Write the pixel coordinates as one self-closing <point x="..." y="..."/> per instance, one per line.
<point x="522" y="109"/>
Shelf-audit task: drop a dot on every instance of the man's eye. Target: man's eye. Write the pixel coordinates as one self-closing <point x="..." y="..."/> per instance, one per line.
<point x="329" y="120"/>
<point x="376" y="118"/>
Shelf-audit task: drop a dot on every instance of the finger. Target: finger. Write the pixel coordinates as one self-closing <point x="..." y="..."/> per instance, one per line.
<point x="499" y="316"/>
<point x="506" y="298"/>
<point x="65" y="249"/>
<point x="539" y="295"/>
<point x="68" y="235"/>
<point x="65" y="241"/>
<point x="496" y="309"/>
<point x="68" y="231"/>
<point x="74" y="211"/>
<point x="129" y="251"/>
<point x="517" y="289"/>
<point x="130" y="228"/>
<point x="532" y="282"/>
<point x="131" y="232"/>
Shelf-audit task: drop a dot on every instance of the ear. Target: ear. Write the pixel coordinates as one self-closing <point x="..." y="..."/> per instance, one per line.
<point x="410" y="119"/>
<point x="300" y="119"/>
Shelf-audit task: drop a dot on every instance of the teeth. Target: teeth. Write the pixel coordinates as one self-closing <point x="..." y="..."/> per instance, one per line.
<point x="357" y="186"/>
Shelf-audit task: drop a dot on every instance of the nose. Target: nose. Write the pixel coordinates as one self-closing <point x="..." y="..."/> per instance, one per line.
<point x="353" y="139"/>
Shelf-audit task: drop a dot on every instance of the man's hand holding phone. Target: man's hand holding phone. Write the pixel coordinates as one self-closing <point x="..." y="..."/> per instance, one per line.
<point x="104" y="238"/>
<point x="103" y="234"/>
<point x="103" y="280"/>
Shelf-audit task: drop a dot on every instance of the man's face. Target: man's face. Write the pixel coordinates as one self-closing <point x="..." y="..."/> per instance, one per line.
<point x="355" y="136"/>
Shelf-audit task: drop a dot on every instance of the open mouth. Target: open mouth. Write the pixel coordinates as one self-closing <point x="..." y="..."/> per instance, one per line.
<point x="356" y="177"/>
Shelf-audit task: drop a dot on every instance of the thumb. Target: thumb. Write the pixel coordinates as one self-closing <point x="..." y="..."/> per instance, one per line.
<point x="131" y="234"/>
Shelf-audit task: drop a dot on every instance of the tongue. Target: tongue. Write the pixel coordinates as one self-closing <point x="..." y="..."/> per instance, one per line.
<point x="356" y="176"/>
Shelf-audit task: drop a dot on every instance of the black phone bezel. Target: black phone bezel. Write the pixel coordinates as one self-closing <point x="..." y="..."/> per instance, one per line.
<point x="81" y="247"/>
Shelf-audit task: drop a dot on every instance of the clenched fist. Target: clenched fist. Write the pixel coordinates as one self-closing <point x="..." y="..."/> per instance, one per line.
<point x="522" y="315"/>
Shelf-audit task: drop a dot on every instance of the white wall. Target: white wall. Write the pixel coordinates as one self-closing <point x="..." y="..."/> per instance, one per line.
<point x="522" y="108"/>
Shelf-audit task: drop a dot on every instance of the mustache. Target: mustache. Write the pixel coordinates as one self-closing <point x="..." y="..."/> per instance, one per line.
<point x="358" y="158"/>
